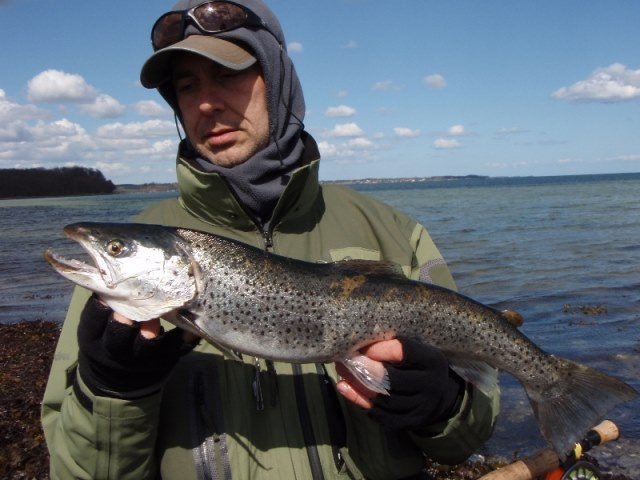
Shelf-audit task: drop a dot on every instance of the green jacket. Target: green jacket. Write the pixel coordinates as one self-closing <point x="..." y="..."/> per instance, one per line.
<point x="218" y="418"/>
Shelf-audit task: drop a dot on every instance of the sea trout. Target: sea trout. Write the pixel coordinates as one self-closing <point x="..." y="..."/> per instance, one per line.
<point x="243" y="299"/>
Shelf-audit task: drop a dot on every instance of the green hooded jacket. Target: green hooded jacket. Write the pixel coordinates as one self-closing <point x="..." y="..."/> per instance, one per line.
<point x="220" y="419"/>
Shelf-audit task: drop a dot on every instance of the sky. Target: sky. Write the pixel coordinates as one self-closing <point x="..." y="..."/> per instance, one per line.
<point x="404" y="88"/>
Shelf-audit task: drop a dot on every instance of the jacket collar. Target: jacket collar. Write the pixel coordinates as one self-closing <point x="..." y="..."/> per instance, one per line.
<point x="207" y="195"/>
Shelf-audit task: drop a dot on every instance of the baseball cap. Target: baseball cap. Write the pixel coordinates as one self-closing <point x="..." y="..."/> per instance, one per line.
<point x="157" y="69"/>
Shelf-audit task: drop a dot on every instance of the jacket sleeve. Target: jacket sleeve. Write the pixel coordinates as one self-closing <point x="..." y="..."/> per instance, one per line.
<point x="93" y="437"/>
<point x="453" y="441"/>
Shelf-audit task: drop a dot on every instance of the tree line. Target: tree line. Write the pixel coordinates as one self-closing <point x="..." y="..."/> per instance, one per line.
<point x="62" y="181"/>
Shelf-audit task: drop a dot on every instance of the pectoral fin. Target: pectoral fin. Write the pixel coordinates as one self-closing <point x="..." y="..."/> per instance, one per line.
<point x="369" y="373"/>
<point x="480" y="374"/>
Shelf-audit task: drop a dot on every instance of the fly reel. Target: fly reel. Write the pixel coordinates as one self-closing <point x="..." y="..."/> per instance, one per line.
<point x="582" y="470"/>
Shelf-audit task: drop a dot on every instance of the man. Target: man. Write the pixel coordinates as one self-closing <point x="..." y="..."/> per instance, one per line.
<point x="128" y="400"/>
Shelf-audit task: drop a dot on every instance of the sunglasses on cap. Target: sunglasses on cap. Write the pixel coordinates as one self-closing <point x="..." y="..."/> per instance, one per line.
<point x="209" y="17"/>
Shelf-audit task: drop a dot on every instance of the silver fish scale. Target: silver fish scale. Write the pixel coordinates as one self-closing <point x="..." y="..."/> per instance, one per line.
<point x="279" y="308"/>
<point x="251" y="304"/>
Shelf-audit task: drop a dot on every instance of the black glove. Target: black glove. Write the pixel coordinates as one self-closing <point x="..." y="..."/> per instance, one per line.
<point x="424" y="390"/>
<point x="115" y="360"/>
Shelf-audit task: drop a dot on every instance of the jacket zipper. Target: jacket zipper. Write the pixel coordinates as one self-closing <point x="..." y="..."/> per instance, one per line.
<point x="335" y="418"/>
<point x="266" y="232"/>
<point x="267" y="236"/>
<point x="305" y="423"/>
<point x="210" y="453"/>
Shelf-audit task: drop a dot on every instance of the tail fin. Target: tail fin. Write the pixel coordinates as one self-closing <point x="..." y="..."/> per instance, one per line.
<point x="581" y="397"/>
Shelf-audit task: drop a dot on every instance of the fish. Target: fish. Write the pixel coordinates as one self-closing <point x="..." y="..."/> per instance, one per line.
<point x="245" y="299"/>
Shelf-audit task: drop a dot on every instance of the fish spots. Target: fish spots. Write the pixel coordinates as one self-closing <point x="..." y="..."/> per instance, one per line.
<point x="345" y="286"/>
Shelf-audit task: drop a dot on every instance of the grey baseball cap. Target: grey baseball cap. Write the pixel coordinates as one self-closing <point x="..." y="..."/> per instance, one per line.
<point x="157" y="69"/>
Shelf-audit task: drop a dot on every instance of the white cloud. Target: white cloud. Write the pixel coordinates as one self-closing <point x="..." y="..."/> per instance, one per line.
<point x="29" y="139"/>
<point x="360" y="142"/>
<point x="58" y="86"/>
<point x="345" y="130"/>
<point x="60" y="129"/>
<point x="446" y="143"/>
<point x="350" y="44"/>
<point x="17" y="131"/>
<point x="104" y="106"/>
<point x="150" y="128"/>
<point x="447" y="139"/>
<point x="106" y="144"/>
<point x="355" y="150"/>
<point x="46" y="143"/>
<point x="615" y="83"/>
<point x="384" y="85"/>
<point x="167" y="146"/>
<point x="403" y="132"/>
<point x="456" y="130"/>
<point x="125" y="151"/>
<point x="11" y="111"/>
<point x="436" y="81"/>
<point x="295" y="47"/>
<point x="150" y="108"/>
<point x="113" y="167"/>
<point x="340" y="111"/>
<point x="327" y="149"/>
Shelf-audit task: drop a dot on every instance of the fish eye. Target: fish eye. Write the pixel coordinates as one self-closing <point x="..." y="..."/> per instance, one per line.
<point x="115" y="248"/>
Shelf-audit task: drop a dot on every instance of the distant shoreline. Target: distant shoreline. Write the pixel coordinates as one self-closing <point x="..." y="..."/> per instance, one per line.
<point x="373" y="181"/>
<point x="55" y="182"/>
<point x="365" y="182"/>
<point x="154" y="187"/>
<point x="170" y="187"/>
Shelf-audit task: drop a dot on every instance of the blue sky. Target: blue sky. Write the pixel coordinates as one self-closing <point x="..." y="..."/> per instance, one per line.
<point x="399" y="88"/>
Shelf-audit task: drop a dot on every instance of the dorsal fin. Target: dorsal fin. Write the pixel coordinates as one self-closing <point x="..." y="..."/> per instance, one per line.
<point x="370" y="268"/>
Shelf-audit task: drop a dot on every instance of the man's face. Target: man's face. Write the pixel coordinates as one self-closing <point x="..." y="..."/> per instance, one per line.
<point x="224" y="111"/>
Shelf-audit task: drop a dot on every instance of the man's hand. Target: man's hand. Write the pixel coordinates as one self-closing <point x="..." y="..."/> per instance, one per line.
<point x="424" y="390"/>
<point x="122" y="358"/>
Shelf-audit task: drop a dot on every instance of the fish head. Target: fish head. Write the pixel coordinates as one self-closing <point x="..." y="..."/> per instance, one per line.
<point x="141" y="271"/>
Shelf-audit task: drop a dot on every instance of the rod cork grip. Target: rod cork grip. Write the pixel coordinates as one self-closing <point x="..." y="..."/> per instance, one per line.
<point x="528" y="468"/>
<point x="608" y="431"/>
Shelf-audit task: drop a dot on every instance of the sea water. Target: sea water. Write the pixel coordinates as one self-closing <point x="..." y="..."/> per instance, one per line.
<point x="562" y="251"/>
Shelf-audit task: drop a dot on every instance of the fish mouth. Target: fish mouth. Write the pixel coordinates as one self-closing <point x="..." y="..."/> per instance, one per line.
<point x="69" y="265"/>
<point x="78" y="271"/>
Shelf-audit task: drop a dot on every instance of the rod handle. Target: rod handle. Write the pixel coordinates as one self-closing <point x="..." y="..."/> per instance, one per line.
<point x="546" y="460"/>
<point x="608" y="431"/>
<point x="527" y="468"/>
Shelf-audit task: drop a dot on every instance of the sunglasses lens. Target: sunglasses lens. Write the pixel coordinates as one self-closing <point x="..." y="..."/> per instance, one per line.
<point x="217" y="17"/>
<point x="167" y="30"/>
<point x="210" y="17"/>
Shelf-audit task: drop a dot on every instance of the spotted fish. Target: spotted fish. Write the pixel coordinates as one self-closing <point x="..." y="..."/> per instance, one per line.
<point x="241" y="298"/>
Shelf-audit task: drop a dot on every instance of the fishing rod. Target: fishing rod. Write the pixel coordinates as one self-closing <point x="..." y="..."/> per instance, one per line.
<point x="547" y="465"/>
